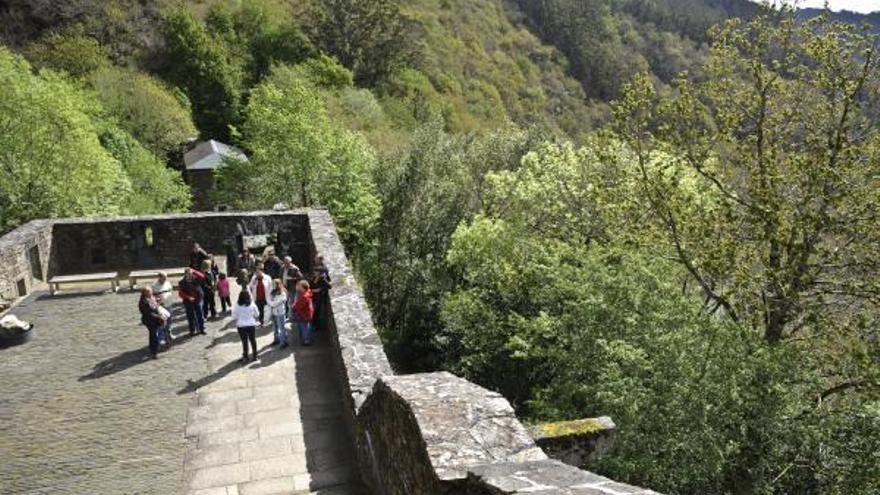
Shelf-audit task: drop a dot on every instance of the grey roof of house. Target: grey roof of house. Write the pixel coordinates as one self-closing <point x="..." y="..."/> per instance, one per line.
<point x="210" y="154"/>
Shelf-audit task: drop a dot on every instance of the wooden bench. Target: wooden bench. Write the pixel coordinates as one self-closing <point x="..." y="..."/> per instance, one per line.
<point x="111" y="277"/>
<point x="173" y="273"/>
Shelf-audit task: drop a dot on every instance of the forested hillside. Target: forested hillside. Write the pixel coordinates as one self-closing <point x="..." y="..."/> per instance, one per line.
<point x="664" y="211"/>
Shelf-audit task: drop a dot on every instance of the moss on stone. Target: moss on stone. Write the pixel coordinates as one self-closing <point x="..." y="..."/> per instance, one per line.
<point x="577" y="427"/>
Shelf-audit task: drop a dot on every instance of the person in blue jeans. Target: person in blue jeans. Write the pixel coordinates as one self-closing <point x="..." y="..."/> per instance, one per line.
<point x="277" y="302"/>
<point x="303" y="312"/>
<point x="190" y="292"/>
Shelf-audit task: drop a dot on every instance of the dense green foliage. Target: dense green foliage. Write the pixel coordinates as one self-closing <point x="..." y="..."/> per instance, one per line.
<point x="203" y="68"/>
<point x="638" y="208"/>
<point x="367" y="37"/>
<point x="425" y="194"/>
<point x="53" y="160"/>
<point x="300" y="158"/>
<point x="74" y="53"/>
<point x="146" y="108"/>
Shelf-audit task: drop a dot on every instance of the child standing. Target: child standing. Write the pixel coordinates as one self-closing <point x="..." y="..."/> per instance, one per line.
<point x="303" y="312"/>
<point x="223" y="292"/>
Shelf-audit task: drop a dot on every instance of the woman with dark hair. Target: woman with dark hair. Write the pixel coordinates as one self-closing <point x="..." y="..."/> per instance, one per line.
<point x="245" y="314"/>
<point x="151" y="318"/>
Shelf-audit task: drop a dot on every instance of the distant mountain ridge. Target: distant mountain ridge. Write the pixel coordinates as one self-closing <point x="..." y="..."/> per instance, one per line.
<point x="872" y="19"/>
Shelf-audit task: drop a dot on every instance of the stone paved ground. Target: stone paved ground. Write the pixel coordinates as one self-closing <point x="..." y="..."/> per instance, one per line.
<point x="82" y="411"/>
<point x="273" y="426"/>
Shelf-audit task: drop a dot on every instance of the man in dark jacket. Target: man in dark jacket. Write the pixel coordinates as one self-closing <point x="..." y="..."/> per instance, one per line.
<point x="320" y="297"/>
<point x="151" y="318"/>
<point x="209" y="284"/>
<point x="246" y="261"/>
<point x="197" y="256"/>
<point x="272" y="266"/>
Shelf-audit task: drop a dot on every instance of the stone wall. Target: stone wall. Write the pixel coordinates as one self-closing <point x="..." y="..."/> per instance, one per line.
<point x="24" y="260"/>
<point x="164" y="241"/>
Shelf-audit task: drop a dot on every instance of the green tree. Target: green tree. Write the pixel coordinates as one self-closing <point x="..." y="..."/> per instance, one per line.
<point x="71" y="51"/>
<point x="298" y="157"/>
<point x="146" y="108"/>
<point x="202" y="66"/>
<point x="569" y="303"/>
<point x="154" y="187"/>
<point x="367" y="36"/>
<point x="425" y="193"/>
<point x="52" y="163"/>
<point x="782" y="238"/>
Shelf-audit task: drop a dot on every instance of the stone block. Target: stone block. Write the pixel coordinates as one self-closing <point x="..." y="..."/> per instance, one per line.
<point x="425" y="431"/>
<point x="229" y="474"/>
<point x="288" y="465"/>
<point x="578" y="443"/>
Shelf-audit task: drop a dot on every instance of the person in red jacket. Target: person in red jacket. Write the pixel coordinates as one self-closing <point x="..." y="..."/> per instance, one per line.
<point x="190" y="292"/>
<point x="303" y="312"/>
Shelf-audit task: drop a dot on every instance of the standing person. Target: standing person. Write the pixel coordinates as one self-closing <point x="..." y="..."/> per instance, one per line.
<point x="303" y="312"/>
<point x="321" y="268"/>
<point x="151" y="318"/>
<point x="245" y="315"/>
<point x="190" y="292"/>
<point x="260" y="286"/>
<point x="320" y="297"/>
<point x="272" y="266"/>
<point x="223" y="292"/>
<point x="162" y="290"/>
<point x="290" y="276"/>
<point x="209" y="302"/>
<point x="277" y="304"/>
<point x="243" y="279"/>
<point x="197" y="256"/>
<point x="215" y="269"/>
<point x="247" y="262"/>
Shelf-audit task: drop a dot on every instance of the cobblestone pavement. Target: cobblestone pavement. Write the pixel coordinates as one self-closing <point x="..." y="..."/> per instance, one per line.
<point x="84" y="411"/>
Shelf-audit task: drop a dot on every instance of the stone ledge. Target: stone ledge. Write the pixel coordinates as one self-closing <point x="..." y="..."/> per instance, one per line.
<point x="544" y="478"/>
<point x="578" y="443"/>
<point x="459" y="425"/>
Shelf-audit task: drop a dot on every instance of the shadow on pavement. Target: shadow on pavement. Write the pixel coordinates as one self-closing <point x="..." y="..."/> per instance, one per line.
<point x="134" y="357"/>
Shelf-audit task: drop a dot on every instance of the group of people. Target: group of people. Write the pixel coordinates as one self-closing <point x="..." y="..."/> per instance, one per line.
<point x="273" y="287"/>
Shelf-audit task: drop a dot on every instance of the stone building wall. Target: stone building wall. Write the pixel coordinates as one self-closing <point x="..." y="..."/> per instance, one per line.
<point x="164" y="241"/>
<point x="24" y="260"/>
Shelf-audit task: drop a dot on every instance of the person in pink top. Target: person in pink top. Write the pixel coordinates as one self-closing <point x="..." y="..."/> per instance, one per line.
<point x="223" y="292"/>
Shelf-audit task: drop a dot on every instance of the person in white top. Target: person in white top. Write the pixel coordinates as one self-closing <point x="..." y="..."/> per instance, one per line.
<point x="245" y="314"/>
<point x="259" y="286"/>
<point x="277" y="302"/>
<point x="163" y="291"/>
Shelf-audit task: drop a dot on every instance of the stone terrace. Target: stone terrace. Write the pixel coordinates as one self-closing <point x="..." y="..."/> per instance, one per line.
<point x="83" y="411"/>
